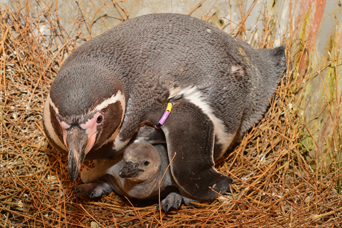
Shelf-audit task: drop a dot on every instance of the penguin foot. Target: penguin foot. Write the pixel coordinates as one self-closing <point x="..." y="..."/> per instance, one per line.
<point x="173" y="200"/>
<point x="93" y="189"/>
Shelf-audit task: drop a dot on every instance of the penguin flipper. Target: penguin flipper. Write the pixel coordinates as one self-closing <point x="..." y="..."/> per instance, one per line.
<point x="190" y="133"/>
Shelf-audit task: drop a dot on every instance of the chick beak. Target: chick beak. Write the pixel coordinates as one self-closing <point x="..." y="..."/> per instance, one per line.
<point x="77" y="141"/>
<point x="130" y="170"/>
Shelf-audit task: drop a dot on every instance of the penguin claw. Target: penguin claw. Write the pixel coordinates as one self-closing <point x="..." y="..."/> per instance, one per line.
<point x="177" y="203"/>
<point x="173" y="200"/>
<point x="166" y="206"/>
<point x="92" y="194"/>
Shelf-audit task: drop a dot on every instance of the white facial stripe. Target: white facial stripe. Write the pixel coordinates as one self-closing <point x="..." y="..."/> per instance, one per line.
<point x="52" y="104"/>
<point x="117" y="97"/>
<point x="48" y="124"/>
<point x="121" y="98"/>
<point x="197" y="98"/>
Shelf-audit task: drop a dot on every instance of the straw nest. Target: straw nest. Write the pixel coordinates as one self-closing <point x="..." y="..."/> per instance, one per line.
<point x="276" y="183"/>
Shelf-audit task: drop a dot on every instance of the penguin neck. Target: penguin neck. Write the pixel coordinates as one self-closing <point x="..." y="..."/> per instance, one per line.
<point x="137" y="115"/>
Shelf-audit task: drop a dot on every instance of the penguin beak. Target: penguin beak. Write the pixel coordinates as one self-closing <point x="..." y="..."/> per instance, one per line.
<point x="130" y="170"/>
<point x="77" y="141"/>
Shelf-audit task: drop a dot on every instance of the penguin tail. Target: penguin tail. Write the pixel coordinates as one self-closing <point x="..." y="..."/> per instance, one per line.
<point x="276" y="57"/>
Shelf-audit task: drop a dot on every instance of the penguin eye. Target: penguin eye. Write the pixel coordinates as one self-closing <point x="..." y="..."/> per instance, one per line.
<point x="146" y="163"/>
<point x="99" y="119"/>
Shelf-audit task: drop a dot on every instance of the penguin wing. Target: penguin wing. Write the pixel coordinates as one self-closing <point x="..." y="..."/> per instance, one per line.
<point x="190" y="134"/>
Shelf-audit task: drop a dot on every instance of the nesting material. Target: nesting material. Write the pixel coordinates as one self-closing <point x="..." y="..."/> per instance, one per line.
<point x="274" y="184"/>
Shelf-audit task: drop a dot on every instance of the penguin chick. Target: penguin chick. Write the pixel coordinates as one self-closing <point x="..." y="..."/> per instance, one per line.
<point x="142" y="170"/>
<point x="136" y="176"/>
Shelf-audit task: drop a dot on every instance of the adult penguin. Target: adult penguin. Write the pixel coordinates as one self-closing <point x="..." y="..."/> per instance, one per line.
<point x="217" y="87"/>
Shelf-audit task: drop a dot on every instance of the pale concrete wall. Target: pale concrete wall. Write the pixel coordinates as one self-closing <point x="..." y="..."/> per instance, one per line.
<point x="112" y="13"/>
<point x="83" y="13"/>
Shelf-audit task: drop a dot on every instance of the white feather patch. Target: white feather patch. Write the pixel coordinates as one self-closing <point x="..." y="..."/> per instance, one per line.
<point x="118" y="97"/>
<point x="48" y="123"/>
<point x="119" y="144"/>
<point x="195" y="96"/>
<point x="48" y="100"/>
<point x="114" y="98"/>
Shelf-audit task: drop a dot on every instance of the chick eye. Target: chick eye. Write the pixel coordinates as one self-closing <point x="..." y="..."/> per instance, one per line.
<point x="146" y="163"/>
<point x="99" y="119"/>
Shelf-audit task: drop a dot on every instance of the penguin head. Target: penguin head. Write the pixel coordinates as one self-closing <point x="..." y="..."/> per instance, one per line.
<point x="83" y="111"/>
<point x="142" y="163"/>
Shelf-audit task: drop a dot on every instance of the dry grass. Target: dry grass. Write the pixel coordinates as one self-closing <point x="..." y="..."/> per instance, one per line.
<point x="274" y="184"/>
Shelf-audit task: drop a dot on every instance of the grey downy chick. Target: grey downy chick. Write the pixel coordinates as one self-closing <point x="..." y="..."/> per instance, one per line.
<point x="135" y="173"/>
